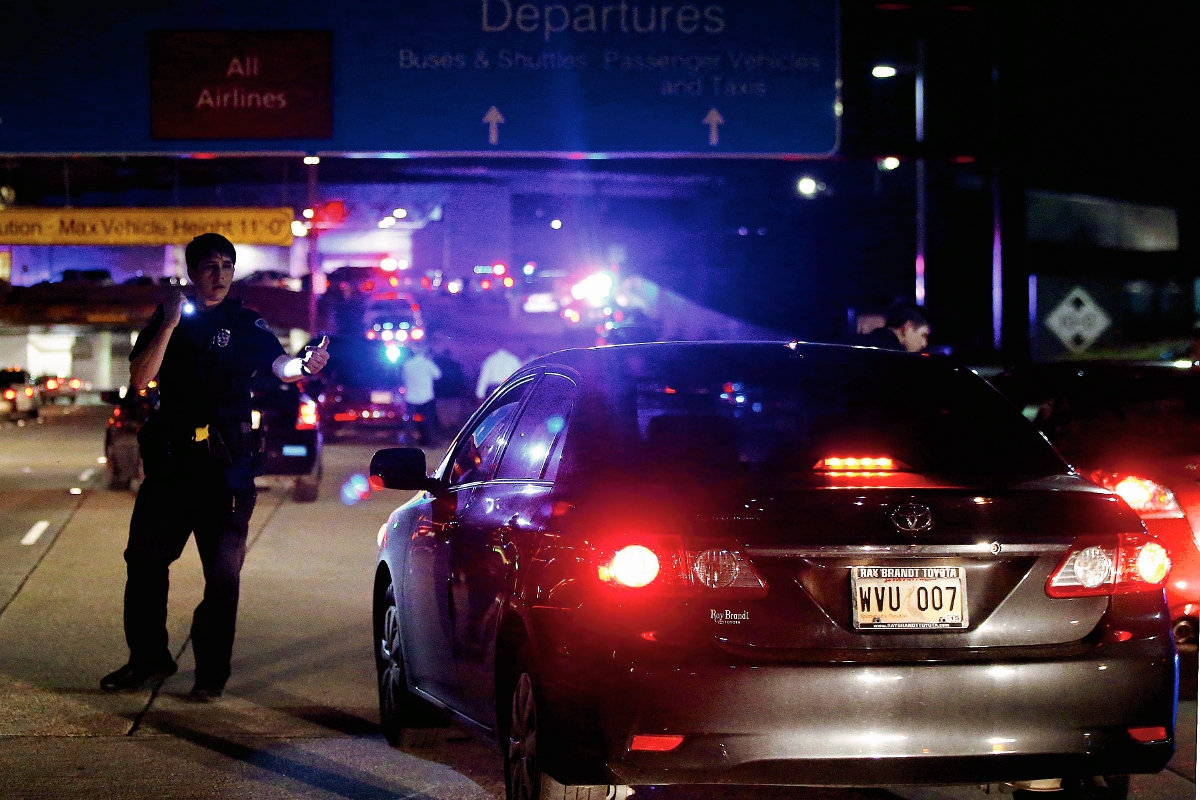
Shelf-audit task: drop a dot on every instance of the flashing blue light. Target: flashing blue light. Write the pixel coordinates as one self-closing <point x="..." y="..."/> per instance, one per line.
<point x="528" y="269"/>
<point x="393" y="353"/>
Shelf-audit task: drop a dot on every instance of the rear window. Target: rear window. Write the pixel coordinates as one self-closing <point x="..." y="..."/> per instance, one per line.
<point x="689" y="410"/>
<point x="13" y="377"/>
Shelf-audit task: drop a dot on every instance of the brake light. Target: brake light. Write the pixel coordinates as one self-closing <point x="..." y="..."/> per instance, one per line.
<point x="417" y="334"/>
<point x="665" y="564"/>
<point x="1110" y="564"/>
<point x="345" y="416"/>
<point x="51" y="384"/>
<point x="10" y="394"/>
<point x="838" y="466"/>
<point x="29" y="391"/>
<point x="75" y="383"/>
<point x="1150" y="499"/>
<point x="306" y="420"/>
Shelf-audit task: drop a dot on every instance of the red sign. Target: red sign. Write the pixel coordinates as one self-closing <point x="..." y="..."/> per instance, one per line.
<point x="241" y="85"/>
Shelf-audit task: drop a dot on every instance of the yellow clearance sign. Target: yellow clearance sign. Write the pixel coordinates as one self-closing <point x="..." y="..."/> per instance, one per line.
<point x="144" y="226"/>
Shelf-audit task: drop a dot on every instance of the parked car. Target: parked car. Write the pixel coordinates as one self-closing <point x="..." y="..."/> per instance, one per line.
<point x="1133" y="428"/>
<point x="292" y="441"/>
<point x="53" y="388"/>
<point x="18" y="395"/>
<point x="362" y="389"/>
<point x="770" y="564"/>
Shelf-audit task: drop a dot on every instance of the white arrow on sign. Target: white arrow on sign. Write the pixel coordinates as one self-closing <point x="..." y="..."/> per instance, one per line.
<point x="712" y="120"/>
<point x="493" y="119"/>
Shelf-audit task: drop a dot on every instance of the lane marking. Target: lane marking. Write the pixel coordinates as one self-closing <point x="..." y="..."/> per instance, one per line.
<point x="35" y="533"/>
<point x="86" y="475"/>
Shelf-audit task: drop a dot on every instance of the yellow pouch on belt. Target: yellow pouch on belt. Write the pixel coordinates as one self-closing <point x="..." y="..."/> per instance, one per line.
<point x="201" y="434"/>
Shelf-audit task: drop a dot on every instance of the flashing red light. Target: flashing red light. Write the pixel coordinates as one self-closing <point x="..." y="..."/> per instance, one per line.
<point x="204" y="156"/>
<point x="345" y="416"/>
<point x="485" y="284"/>
<point x="508" y="282"/>
<point x="418" y="417"/>
<point x="388" y="296"/>
<point x="1146" y="735"/>
<point x="669" y="390"/>
<point x="426" y="283"/>
<point x="367" y="286"/>
<point x="329" y="215"/>
<point x="393" y="281"/>
<point x="652" y="743"/>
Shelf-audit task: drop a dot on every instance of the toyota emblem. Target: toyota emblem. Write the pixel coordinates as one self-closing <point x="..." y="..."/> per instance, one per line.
<point x="912" y="518"/>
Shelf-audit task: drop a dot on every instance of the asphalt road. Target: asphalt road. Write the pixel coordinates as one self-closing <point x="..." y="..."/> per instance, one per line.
<point x="299" y="716"/>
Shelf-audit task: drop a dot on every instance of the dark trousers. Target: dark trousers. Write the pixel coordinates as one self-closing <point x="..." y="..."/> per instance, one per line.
<point x="169" y="509"/>
<point x="425" y="421"/>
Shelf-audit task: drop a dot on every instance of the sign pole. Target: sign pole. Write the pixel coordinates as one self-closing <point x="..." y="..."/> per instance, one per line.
<point x="314" y="255"/>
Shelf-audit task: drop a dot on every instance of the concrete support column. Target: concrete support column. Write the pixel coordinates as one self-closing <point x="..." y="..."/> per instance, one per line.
<point x="103" y="349"/>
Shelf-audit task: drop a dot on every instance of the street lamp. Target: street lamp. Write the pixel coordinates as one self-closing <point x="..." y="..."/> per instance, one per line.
<point x="888" y="71"/>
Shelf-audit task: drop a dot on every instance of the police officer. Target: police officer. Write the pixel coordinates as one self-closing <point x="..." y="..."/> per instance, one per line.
<point x="198" y="453"/>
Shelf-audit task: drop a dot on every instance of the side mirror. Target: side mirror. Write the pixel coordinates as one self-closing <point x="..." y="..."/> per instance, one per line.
<point x="402" y="468"/>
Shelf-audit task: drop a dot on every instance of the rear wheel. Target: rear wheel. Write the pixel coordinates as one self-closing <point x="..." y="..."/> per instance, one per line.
<point x="523" y="776"/>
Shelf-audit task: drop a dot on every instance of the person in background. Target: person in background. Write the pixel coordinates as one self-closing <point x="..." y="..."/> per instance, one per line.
<point x="419" y="373"/>
<point x="494" y="371"/>
<point x="906" y="329"/>
<point x="452" y="390"/>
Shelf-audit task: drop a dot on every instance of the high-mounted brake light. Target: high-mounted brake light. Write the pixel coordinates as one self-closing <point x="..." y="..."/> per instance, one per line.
<point x="1150" y="499"/>
<point x="858" y="466"/>
<point x="1110" y="564"/>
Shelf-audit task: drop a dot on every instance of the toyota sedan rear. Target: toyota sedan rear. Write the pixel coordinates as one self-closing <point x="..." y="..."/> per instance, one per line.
<point x="771" y="564"/>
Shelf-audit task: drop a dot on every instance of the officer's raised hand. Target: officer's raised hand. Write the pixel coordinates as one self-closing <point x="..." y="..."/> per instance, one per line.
<point x="314" y="358"/>
<point x="173" y="308"/>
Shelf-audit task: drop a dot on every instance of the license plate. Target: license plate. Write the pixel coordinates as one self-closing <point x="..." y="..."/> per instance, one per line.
<point x="384" y="398"/>
<point x="908" y="598"/>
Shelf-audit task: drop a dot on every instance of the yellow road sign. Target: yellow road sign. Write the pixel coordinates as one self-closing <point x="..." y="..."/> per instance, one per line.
<point x="144" y="226"/>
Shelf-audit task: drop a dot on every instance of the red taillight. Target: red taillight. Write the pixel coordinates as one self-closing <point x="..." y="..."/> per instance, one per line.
<point x="28" y="391"/>
<point x="838" y="466"/>
<point x="51" y="384"/>
<point x="75" y="383"/>
<point x="650" y="743"/>
<point x="1150" y="499"/>
<point x="1110" y="564"/>
<point x="117" y="411"/>
<point x="663" y="563"/>
<point x="1156" y="733"/>
<point x="345" y="416"/>
<point x="10" y="394"/>
<point x="306" y="420"/>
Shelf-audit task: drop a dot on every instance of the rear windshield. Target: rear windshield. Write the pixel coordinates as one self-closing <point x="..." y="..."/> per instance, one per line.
<point x="11" y="377"/>
<point x="779" y="413"/>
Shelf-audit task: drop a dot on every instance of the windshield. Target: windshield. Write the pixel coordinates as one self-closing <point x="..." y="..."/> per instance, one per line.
<point x="780" y="414"/>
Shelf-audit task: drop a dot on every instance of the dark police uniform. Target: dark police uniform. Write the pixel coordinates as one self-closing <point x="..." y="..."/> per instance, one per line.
<point x="198" y="453"/>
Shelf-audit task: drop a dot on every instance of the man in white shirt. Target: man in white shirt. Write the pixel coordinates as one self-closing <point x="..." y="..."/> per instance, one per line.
<point x="419" y="373"/>
<point x="494" y="371"/>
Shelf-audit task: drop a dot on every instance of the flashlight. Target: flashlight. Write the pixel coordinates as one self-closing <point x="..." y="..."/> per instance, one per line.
<point x="188" y="308"/>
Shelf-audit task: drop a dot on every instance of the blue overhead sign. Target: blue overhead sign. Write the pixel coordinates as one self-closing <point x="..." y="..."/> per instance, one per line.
<point x="712" y="78"/>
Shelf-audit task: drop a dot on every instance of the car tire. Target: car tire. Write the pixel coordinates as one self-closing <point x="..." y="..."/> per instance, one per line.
<point x="523" y="776"/>
<point x="407" y="721"/>
<point x="307" y="487"/>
